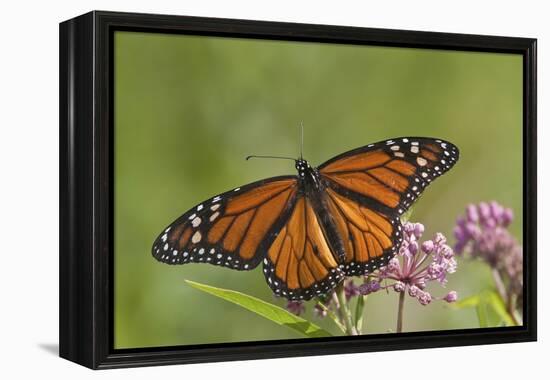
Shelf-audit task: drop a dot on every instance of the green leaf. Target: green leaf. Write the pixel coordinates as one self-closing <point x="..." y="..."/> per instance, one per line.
<point x="490" y="308"/>
<point x="498" y="306"/>
<point x="463" y="303"/>
<point x="272" y="312"/>
<point x="481" y="311"/>
<point x="476" y="301"/>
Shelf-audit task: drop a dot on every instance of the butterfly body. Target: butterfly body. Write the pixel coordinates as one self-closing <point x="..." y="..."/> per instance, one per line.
<point x="313" y="229"/>
<point x="312" y="186"/>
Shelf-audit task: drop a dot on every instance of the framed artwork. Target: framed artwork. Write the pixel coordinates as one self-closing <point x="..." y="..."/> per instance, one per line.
<point x="237" y="189"/>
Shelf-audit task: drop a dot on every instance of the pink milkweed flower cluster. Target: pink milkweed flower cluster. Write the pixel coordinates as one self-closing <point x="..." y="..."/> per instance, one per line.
<point x="410" y="271"/>
<point x="482" y="232"/>
<point x="416" y="265"/>
<point x="296" y="307"/>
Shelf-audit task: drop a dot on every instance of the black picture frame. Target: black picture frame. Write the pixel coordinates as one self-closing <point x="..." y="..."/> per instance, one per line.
<point x="86" y="188"/>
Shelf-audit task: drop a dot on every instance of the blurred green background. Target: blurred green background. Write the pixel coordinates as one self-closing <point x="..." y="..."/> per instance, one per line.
<point x="189" y="109"/>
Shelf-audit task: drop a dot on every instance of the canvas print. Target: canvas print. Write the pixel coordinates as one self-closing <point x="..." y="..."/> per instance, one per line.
<point x="269" y="190"/>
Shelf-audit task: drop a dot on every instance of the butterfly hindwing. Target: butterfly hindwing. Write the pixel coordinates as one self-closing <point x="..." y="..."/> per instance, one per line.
<point x="300" y="263"/>
<point x="370" y="238"/>
<point x="390" y="175"/>
<point x="229" y="228"/>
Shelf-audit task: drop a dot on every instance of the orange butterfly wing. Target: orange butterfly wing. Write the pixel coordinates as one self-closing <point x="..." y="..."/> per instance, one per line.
<point x="367" y="189"/>
<point x="300" y="263"/>
<point x="370" y="238"/>
<point x="229" y="229"/>
<point x="388" y="176"/>
<point x="307" y="250"/>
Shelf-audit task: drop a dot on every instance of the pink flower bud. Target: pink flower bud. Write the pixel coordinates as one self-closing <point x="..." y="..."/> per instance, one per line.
<point x="440" y="239"/>
<point x="369" y="287"/>
<point x="393" y="265"/>
<point x="507" y="217"/>
<point x="484" y="210"/>
<point x="413" y="291"/>
<point x="452" y="296"/>
<point x="399" y="286"/>
<point x="471" y="213"/>
<point x="424" y="298"/>
<point x="446" y="251"/>
<point x="413" y="248"/>
<point x="418" y="230"/>
<point x="428" y="246"/>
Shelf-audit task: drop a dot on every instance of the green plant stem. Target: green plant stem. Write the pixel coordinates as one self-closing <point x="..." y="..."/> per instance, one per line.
<point x="345" y="312"/>
<point x="508" y="299"/>
<point x="499" y="284"/>
<point x="511" y="307"/>
<point x="400" y="308"/>
<point x="332" y="316"/>
<point x="359" y="310"/>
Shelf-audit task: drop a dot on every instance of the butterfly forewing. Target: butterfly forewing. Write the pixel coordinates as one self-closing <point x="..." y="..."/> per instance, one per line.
<point x="388" y="176"/>
<point x="229" y="228"/>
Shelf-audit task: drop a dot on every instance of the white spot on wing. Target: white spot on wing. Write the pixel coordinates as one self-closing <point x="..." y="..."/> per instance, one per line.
<point x="421" y="161"/>
<point x="214" y="216"/>
<point x="196" y="237"/>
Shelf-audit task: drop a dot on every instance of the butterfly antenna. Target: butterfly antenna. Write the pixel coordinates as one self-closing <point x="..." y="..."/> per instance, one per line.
<point x="276" y="157"/>
<point x="301" y="140"/>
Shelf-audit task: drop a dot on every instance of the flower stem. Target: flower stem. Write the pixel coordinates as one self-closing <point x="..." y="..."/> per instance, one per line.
<point x="359" y="313"/>
<point x="332" y="316"/>
<point x="499" y="284"/>
<point x="399" y="327"/>
<point x="508" y="299"/>
<point x="518" y="320"/>
<point x="345" y="312"/>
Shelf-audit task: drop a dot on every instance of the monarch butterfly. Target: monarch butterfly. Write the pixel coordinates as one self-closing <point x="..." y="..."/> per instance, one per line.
<point x="312" y="230"/>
